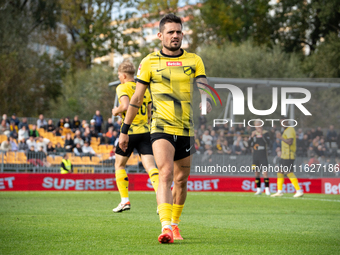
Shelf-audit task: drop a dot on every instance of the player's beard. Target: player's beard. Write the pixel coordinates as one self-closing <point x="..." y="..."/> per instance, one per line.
<point x="170" y="48"/>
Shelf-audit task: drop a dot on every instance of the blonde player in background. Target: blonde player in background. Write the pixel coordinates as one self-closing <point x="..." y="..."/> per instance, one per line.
<point x="139" y="134"/>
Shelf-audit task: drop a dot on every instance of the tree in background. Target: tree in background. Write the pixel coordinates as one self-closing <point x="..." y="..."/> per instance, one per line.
<point x="28" y="80"/>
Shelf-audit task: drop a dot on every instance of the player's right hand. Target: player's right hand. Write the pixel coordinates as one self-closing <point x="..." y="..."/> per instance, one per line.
<point x="123" y="141"/>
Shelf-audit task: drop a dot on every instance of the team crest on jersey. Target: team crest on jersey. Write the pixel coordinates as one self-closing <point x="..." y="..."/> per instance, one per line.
<point x="187" y="70"/>
<point x="174" y="63"/>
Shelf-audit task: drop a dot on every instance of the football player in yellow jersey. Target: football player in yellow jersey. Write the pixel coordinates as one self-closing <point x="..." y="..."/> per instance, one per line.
<point x="139" y="133"/>
<point x="170" y="74"/>
<point x="288" y="149"/>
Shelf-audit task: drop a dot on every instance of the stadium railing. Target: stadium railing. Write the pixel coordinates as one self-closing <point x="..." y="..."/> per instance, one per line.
<point x="219" y="165"/>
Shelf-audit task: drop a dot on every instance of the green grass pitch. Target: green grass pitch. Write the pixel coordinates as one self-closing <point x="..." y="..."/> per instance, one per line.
<point x="212" y="223"/>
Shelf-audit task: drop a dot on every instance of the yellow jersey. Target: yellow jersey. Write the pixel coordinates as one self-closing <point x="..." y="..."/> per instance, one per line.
<point x="288" y="151"/>
<point x="139" y="124"/>
<point x="171" y="80"/>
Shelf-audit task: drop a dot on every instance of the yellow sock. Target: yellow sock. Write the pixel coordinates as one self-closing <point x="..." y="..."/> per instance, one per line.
<point x="165" y="213"/>
<point x="294" y="180"/>
<point x="280" y="181"/>
<point x="122" y="181"/>
<point x="153" y="174"/>
<point x="176" y="213"/>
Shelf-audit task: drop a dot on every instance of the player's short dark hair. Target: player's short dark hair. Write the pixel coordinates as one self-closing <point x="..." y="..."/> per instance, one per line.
<point x="169" y="18"/>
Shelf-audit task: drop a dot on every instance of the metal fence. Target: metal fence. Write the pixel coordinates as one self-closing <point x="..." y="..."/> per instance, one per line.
<point x="221" y="165"/>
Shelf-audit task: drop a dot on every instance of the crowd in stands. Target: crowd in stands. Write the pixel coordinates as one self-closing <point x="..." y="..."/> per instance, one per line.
<point x="223" y="139"/>
<point x="46" y="138"/>
<point x="82" y="138"/>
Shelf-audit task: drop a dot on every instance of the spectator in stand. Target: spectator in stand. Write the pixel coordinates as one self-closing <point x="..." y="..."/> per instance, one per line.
<point x="302" y="146"/>
<point x="114" y="138"/>
<point x="76" y="124"/>
<point x="78" y="150"/>
<point x="87" y="150"/>
<point x="245" y="141"/>
<point x="117" y="125"/>
<point x="68" y="121"/>
<point x="214" y="138"/>
<point x="4" y="117"/>
<point x="92" y="123"/>
<point x="61" y="123"/>
<point x="78" y="139"/>
<point x="230" y="135"/>
<point x="319" y="132"/>
<point x="104" y="139"/>
<point x="240" y="128"/>
<point x="109" y="133"/>
<point x="42" y="156"/>
<point x="13" y="130"/>
<point x="57" y="131"/>
<point x="6" y="145"/>
<point x="206" y="138"/>
<point x="276" y="143"/>
<point x="311" y="152"/>
<point x="225" y="147"/>
<point x="98" y="121"/>
<point x="34" y="132"/>
<point x="15" y="119"/>
<point x="108" y="125"/>
<point x="313" y="133"/>
<point x="59" y="149"/>
<point x="87" y="135"/>
<point x="331" y="136"/>
<point x="314" y="160"/>
<point x="93" y="132"/>
<point x="4" y="128"/>
<point x="41" y="122"/>
<point x="69" y="144"/>
<point x="14" y="146"/>
<point x="338" y="141"/>
<point x="66" y="130"/>
<point x="248" y="132"/>
<point x="50" y="149"/>
<point x="23" y="145"/>
<point x="201" y="131"/>
<point x="218" y="146"/>
<point x="83" y="126"/>
<point x="299" y="135"/>
<point x="207" y="155"/>
<point x="237" y="150"/>
<point x="23" y="133"/>
<point x="23" y="123"/>
<point x="31" y="142"/>
<point x="202" y="120"/>
<point x="42" y="142"/>
<point x="239" y="140"/>
<point x="50" y="126"/>
<point x="33" y="158"/>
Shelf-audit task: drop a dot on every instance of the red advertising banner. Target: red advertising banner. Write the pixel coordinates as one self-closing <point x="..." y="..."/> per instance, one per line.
<point x="141" y="182"/>
<point x="330" y="186"/>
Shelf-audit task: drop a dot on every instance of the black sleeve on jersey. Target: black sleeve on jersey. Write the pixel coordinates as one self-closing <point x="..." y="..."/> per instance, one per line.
<point x="143" y="82"/>
<point x="200" y="76"/>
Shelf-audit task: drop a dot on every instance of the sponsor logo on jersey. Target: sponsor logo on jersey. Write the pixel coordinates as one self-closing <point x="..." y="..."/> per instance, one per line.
<point x="174" y="63"/>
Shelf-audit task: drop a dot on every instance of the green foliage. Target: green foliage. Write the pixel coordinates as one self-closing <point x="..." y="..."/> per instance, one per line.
<point x="304" y="23"/>
<point x="84" y="93"/>
<point x="211" y="223"/>
<point x="249" y="61"/>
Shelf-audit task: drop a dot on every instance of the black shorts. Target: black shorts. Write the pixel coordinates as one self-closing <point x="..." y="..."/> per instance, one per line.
<point x="140" y="142"/>
<point x="184" y="145"/>
<point x="259" y="162"/>
<point x="287" y="165"/>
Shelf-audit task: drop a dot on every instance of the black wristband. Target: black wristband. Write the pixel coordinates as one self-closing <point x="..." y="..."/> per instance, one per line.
<point x="209" y="100"/>
<point x="125" y="128"/>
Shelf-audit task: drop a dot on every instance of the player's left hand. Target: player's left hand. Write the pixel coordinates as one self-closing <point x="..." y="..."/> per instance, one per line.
<point x="123" y="141"/>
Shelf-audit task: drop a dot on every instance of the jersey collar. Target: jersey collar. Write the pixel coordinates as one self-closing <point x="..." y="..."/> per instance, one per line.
<point x="168" y="56"/>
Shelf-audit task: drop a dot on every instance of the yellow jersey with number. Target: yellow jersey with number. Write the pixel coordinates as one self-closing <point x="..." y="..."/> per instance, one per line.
<point x="288" y="151"/>
<point x="139" y="124"/>
<point x="171" y="80"/>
